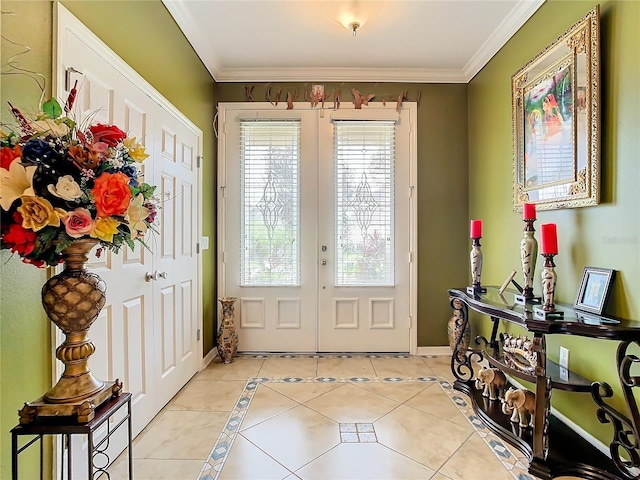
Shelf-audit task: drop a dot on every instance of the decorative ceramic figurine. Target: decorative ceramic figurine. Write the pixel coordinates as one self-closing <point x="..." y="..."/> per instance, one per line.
<point x="493" y="382"/>
<point x="522" y="403"/>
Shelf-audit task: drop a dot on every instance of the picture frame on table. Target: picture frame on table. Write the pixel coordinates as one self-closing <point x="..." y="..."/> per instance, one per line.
<point x="594" y="290"/>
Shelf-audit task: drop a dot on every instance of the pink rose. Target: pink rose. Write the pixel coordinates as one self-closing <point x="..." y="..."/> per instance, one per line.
<point x="78" y="223"/>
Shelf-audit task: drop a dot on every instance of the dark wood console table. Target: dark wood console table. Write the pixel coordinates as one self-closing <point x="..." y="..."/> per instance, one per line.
<point x="66" y="426"/>
<point x="552" y="448"/>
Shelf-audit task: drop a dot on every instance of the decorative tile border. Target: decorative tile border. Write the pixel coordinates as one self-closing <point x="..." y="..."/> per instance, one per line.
<point x="220" y="451"/>
<point x="514" y="463"/>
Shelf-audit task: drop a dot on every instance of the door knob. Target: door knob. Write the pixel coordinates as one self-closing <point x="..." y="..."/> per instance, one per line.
<point x="323" y="262"/>
<point x="151" y="276"/>
<point x="155" y="275"/>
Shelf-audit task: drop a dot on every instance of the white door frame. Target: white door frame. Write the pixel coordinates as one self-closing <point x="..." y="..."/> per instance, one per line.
<point x="223" y="107"/>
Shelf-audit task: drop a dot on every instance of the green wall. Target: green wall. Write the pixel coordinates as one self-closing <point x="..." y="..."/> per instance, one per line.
<point x="442" y="185"/>
<point x="145" y="35"/>
<point x="607" y="235"/>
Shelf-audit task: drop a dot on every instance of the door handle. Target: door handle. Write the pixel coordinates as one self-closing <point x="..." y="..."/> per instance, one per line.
<point x="155" y="276"/>
<point x="151" y="276"/>
<point x="323" y="262"/>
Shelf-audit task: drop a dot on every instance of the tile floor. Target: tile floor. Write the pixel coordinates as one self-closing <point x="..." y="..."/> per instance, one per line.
<point x="321" y="417"/>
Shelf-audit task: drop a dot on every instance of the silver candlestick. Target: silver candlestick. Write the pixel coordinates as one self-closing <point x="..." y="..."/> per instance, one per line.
<point x="528" y="255"/>
<point x="476" y="267"/>
<point x="549" y="280"/>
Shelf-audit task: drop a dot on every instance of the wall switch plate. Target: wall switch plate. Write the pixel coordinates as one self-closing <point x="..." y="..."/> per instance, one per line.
<point x="205" y="243"/>
<point x="564" y="357"/>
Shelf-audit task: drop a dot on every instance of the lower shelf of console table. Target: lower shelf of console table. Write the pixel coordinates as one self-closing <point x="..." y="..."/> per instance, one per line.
<point x="569" y="453"/>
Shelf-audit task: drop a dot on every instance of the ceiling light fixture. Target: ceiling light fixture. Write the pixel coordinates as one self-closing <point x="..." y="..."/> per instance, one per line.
<point x="352" y="14"/>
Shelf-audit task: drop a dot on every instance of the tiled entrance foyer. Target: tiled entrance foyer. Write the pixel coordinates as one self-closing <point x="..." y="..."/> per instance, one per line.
<point x="321" y="417"/>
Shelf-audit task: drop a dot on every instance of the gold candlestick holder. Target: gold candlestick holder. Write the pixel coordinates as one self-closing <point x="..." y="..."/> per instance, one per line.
<point x="528" y="256"/>
<point x="549" y="280"/>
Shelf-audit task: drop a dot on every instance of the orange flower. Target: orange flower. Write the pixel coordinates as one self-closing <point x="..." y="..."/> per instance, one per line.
<point x="83" y="157"/>
<point x="8" y="155"/>
<point x="112" y="194"/>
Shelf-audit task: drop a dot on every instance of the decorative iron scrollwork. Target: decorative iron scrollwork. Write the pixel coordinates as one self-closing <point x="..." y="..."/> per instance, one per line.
<point x="461" y="359"/>
<point x="625" y="447"/>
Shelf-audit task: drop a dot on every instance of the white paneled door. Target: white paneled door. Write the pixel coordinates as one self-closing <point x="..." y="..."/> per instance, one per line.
<point x="267" y="249"/>
<point x="317" y="226"/>
<point x="176" y="301"/>
<point x="146" y="335"/>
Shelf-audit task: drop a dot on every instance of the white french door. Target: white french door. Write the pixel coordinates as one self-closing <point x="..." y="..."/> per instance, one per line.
<point x="276" y="301"/>
<point x="364" y="222"/>
<point x="317" y="227"/>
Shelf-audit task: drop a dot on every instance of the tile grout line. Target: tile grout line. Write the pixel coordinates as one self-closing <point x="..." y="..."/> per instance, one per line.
<point x="222" y="447"/>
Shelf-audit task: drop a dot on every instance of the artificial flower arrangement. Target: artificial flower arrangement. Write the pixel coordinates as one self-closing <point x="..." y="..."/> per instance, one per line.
<point x="60" y="182"/>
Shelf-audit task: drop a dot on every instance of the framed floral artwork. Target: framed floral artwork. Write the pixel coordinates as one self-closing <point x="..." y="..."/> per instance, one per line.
<point x="555" y="121"/>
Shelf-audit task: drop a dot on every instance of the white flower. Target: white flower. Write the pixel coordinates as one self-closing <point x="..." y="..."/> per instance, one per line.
<point x="14" y="183"/>
<point x="135" y="216"/>
<point x="50" y="127"/>
<point x="66" y="188"/>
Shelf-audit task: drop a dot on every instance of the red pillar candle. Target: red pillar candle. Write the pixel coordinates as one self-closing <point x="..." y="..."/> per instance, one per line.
<point x="549" y="238"/>
<point x="529" y="211"/>
<point x="476" y="228"/>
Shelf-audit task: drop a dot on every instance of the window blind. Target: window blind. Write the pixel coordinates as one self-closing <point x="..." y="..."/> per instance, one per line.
<point x="364" y="156"/>
<point x="270" y="199"/>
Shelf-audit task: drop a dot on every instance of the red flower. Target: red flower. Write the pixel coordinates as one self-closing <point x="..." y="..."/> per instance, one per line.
<point x="109" y="134"/>
<point x="38" y="263"/>
<point x="8" y="155"/>
<point x="112" y="194"/>
<point x="21" y="240"/>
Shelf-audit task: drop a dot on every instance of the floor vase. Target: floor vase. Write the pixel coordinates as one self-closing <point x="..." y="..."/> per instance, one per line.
<point x="227" y="334"/>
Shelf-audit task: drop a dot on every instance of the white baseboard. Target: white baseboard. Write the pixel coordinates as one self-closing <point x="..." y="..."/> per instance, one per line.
<point x="208" y="358"/>
<point x="443" y="350"/>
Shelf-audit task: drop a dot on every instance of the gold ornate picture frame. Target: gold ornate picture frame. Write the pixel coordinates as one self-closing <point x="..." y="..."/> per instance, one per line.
<point x="556" y="121"/>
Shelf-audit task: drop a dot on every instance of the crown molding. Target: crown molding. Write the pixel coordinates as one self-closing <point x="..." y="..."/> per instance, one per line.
<point x="394" y="75"/>
<point x="507" y="29"/>
<point x="196" y="37"/>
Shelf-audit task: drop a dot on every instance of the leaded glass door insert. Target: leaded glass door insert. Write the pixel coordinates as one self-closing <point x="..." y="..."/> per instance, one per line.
<point x="270" y="190"/>
<point x="364" y="160"/>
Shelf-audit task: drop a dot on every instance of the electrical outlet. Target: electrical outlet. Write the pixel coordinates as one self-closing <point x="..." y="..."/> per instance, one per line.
<point x="564" y="357"/>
